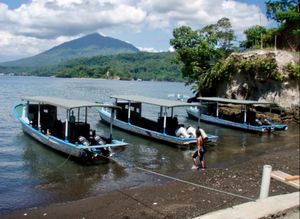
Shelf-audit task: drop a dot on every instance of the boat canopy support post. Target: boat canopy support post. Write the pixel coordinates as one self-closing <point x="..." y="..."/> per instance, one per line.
<point x="161" y="111"/>
<point x="27" y="110"/>
<point x="78" y="114"/>
<point x="85" y="115"/>
<point x="199" y="110"/>
<point x="245" y="113"/>
<point x="39" y="116"/>
<point x="129" y="107"/>
<point x="67" y="125"/>
<point x="165" y="120"/>
<point x="112" y="113"/>
<point x="217" y="111"/>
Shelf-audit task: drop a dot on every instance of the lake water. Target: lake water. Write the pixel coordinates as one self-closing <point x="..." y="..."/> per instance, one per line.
<point x="32" y="175"/>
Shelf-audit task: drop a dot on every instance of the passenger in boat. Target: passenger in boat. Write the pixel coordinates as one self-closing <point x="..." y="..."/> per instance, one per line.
<point x="201" y="150"/>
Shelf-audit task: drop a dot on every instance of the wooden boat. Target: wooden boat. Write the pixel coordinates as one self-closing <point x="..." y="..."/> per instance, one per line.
<point x="39" y="117"/>
<point x="246" y="120"/>
<point x="165" y="129"/>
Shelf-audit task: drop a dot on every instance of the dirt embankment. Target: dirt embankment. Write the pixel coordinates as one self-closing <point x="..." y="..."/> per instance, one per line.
<point x="285" y="93"/>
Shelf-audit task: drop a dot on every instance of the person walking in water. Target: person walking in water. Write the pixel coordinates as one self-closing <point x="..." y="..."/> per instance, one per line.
<point x="201" y="150"/>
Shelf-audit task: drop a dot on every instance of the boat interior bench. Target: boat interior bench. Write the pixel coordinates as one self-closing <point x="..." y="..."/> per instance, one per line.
<point x="51" y="125"/>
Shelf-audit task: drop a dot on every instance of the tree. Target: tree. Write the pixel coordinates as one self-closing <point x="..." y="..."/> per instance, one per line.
<point x="287" y="14"/>
<point x="193" y="51"/>
<point x="220" y="34"/>
<point x="253" y="37"/>
<point x="283" y="11"/>
<point x="198" y="50"/>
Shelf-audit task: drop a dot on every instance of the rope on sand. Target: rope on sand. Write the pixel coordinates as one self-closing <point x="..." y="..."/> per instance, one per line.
<point x="194" y="184"/>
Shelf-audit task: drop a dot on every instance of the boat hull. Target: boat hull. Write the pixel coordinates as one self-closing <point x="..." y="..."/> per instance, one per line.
<point x="105" y="117"/>
<point x="194" y="114"/>
<point x="74" y="150"/>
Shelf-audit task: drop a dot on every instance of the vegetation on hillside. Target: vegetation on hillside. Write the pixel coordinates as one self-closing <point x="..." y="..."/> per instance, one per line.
<point x="145" y="66"/>
<point x="142" y="65"/>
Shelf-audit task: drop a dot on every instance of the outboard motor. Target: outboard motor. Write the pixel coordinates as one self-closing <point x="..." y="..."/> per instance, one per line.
<point x="191" y="131"/>
<point x="99" y="140"/>
<point x="267" y="122"/>
<point x="106" y="152"/>
<point x="182" y="133"/>
<point x="83" y="141"/>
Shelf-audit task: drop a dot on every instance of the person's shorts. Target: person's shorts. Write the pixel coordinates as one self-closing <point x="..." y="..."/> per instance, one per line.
<point x="195" y="154"/>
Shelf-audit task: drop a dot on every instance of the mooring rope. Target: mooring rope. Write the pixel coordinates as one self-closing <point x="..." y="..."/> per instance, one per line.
<point x="64" y="162"/>
<point x="176" y="179"/>
<point x="194" y="184"/>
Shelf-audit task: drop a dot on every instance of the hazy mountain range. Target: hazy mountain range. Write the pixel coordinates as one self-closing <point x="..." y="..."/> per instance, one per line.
<point x="87" y="46"/>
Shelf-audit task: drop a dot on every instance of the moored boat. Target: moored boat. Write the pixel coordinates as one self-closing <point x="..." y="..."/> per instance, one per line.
<point x="166" y="128"/>
<point x="246" y="119"/>
<point x="73" y="136"/>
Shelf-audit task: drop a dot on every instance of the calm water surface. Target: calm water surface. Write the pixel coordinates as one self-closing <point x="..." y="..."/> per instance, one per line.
<point x="32" y="175"/>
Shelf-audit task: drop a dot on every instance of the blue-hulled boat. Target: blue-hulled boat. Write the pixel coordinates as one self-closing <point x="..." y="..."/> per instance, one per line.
<point x="246" y="119"/>
<point x="165" y="128"/>
<point x="40" y="119"/>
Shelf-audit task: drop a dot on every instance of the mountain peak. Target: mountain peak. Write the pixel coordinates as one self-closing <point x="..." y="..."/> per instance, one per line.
<point x="93" y="44"/>
<point x="97" y="40"/>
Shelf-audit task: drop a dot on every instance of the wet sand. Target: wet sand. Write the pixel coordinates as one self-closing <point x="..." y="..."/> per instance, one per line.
<point x="179" y="199"/>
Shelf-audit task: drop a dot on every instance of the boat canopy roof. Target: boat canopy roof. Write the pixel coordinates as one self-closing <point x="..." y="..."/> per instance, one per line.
<point x="232" y="101"/>
<point x="153" y="101"/>
<point x="65" y="103"/>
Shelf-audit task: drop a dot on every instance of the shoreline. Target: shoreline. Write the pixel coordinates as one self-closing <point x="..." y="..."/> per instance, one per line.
<point x="177" y="199"/>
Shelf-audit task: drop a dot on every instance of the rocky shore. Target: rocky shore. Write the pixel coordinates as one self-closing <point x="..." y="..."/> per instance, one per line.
<point x="178" y="199"/>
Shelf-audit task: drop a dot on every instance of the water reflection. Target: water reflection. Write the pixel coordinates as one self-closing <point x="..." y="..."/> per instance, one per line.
<point x="66" y="178"/>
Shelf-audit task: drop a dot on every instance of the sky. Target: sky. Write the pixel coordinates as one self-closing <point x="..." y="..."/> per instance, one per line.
<point x="29" y="27"/>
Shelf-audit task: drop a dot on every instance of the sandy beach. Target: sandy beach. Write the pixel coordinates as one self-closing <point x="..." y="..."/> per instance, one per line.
<point x="234" y="184"/>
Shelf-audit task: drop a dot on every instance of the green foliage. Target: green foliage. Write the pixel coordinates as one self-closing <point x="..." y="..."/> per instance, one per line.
<point x="146" y="66"/>
<point x="221" y="35"/>
<point x="253" y="37"/>
<point x="287" y="14"/>
<point x="282" y="10"/>
<point x="254" y="68"/>
<point x="198" y="50"/>
<point x="294" y="71"/>
<point x="287" y="35"/>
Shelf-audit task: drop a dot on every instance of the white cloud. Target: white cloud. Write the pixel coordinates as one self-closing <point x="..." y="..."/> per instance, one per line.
<point x="52" y="18"/>
<point x="14" y="47"/>
<point x="171" y="49"/>
<point x="144" y="49"/>
<point x="38" y="24"/>
<point x="198" y="13"/>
